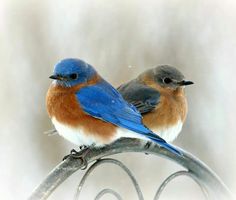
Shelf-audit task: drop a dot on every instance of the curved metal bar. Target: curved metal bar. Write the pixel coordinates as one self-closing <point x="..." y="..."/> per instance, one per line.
<point x="115" y="162"/>
<point x="213" y="184"/>
<point x="108" y="191"/>
<point x="175" y="175"/>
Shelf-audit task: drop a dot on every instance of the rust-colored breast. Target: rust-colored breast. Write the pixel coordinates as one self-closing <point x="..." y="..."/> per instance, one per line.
<point x="62" y="104"/>
<point x="171" y="108"/>
<point x="168" y="112"/>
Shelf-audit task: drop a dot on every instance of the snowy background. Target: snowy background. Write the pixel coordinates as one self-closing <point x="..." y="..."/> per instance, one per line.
<point x="121" y="39"/>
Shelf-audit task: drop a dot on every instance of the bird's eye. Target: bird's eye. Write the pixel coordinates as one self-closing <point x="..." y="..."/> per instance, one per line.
<point x="167" y="80"/>
<point x="73" y="76"/>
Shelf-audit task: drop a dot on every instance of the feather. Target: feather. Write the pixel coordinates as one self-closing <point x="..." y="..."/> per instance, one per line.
<point x="104" y="102"/>
<point x="143" y="97"/>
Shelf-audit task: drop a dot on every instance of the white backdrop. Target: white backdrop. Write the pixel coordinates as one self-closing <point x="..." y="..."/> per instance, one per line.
<point x="121" y="39"/>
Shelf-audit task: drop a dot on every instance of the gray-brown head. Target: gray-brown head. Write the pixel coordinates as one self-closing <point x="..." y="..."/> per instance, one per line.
<point x="166" y="76"/>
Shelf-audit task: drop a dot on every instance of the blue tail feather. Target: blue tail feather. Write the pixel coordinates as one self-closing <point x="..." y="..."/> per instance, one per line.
<point x="166" y="146"/>
<point x="143" y="130"/>
<point x="155" y="138"/>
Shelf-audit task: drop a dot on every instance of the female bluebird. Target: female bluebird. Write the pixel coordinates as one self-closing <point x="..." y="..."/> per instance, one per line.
<point x="158" y="94"/>
<point x="87" y="110"/>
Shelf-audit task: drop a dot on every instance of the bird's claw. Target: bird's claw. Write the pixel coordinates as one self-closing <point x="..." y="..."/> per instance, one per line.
<point x="79" y="155"/>
<point x="147" y="146"/>
<point x="82" y="147"/>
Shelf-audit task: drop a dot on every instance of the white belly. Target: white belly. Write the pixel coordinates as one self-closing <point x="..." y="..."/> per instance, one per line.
<point x="74" y="135"/>
<point x="79" y="137"/>
<point x="169" y="133"/>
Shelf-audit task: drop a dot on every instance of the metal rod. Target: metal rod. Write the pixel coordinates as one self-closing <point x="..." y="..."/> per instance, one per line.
<point x="213" y="184"/>
<point x="115" y="162"/>
<point x="175" y="175"/>
<point x="108" y="191"/>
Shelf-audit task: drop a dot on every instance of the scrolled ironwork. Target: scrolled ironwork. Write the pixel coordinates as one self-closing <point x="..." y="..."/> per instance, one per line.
<point x="117" y="163"/>
<point x="108" y="191"/>
<point x="175" y="175"/>
<point x="202" y="174"/>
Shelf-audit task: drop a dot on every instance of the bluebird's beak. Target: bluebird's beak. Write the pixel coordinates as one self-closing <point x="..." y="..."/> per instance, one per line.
<point x="184" y="82"/>
<point x="57" y="77"/>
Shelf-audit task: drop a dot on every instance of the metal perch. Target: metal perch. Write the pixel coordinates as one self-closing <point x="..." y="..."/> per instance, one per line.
<point x="210" y="183"/>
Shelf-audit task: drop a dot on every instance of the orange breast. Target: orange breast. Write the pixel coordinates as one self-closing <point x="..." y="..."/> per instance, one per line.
<point x="169" y="111"/>
<point x="171" y="108"/>
<point x="62" y="104"/>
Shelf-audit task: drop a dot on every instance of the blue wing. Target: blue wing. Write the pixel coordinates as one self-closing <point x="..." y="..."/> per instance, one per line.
<point x="104" y="102"/>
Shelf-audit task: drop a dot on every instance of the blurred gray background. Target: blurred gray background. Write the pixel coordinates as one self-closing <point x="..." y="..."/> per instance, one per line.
<point x="121" y="39"/>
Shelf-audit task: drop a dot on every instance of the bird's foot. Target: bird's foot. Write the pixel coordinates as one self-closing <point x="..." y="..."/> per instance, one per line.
<point x="147" y="146"/>
<point x="79" y="155"/>
<point x="82" y="147"/>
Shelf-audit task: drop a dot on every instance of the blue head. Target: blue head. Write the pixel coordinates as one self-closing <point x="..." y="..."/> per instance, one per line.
<point x="71" y="71"/>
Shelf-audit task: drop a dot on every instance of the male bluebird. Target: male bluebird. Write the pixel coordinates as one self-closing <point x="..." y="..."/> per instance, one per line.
<point x="158" y="94"/>
<point x="87" y="110"/>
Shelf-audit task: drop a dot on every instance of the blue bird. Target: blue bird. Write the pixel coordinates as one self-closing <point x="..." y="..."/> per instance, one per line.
<point x="86" y="110"/>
